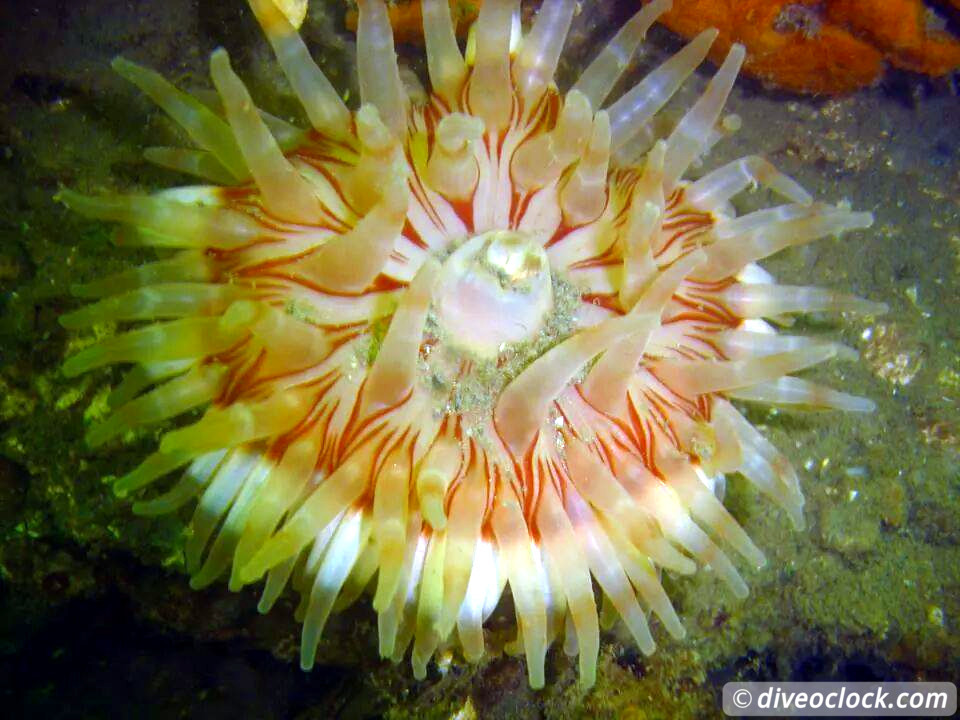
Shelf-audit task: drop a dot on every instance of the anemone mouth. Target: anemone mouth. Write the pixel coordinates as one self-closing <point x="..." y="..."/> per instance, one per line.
<point x="489" y="340"/>
<point x="494" y="292"/>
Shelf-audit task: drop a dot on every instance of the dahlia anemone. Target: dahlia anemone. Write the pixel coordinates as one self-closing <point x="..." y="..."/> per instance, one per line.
<point x="455" y="341"/>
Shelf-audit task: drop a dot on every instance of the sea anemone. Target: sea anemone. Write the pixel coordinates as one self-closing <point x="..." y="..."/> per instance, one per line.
<point x="458" y="340"/>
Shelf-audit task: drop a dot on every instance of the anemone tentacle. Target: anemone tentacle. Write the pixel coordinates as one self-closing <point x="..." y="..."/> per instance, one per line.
<point x="455" y="345"/>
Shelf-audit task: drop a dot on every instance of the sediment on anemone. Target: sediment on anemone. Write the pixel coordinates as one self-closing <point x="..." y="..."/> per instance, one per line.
<point x="488" y="339"/>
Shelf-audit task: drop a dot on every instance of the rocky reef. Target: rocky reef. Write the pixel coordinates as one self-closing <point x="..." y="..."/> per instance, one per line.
<point x="94" y="605"/>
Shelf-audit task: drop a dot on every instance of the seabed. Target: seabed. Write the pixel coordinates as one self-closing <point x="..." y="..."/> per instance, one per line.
<point x="96" y="617"/>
